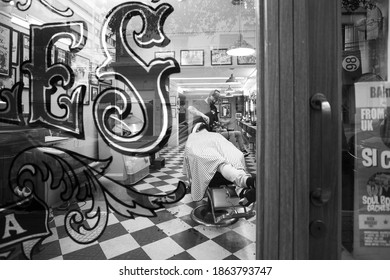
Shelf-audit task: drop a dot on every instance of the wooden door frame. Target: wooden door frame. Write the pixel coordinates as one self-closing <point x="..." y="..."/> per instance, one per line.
<point x="298" y="56"/>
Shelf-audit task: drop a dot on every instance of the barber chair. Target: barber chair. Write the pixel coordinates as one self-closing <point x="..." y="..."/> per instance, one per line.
<point x="222" y="206"/>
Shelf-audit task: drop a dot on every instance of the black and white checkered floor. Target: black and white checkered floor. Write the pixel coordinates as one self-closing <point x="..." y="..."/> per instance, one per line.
<point x="170" y="235"/>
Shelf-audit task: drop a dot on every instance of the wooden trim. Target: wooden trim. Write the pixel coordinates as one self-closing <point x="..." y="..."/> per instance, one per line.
<point x="302" y="132"/>
<point x="283" y="131"/>
<point x="325" y="77"/>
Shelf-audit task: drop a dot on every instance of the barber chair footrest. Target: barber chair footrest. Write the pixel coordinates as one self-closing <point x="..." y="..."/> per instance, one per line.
<point x="203" y="216"/>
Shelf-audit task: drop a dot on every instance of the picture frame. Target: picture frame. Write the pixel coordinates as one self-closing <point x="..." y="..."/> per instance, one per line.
<point x="92" y="75"/>
<point x="25" y="41"/>
<point x="9" y="82"/>
<point x="226" y="110"/>
<point x="15" y="74"/>
<point x="103" y="86"/>
<point x="220" y="57"/>
<point x="87" y="96"/>
<point x="108" y="82"/>
<point x="165" y="54"/>
<point x="80" y="67"/>
<point x="26" y="81"/>
<point x="53" y="54"/>
<point x="61" y="56"/>
<point x="93" y="80"/>
<point x="15" y="47"/>
<point x="5" y="50"/>
<point x="94" y="90"/>
<point x="191" y="57"/>
<point x="172" y="100"/>
<point x="246" y="60"/>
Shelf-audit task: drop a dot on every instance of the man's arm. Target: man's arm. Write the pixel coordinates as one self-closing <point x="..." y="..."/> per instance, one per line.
<point x="197" y="113"/>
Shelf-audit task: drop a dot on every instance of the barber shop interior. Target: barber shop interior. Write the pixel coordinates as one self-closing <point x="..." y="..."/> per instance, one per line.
<point x="143" y="130"/>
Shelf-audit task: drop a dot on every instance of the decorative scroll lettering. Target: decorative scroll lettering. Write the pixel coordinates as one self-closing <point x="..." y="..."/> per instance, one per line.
<point x="25" y="223"/>
<point x="20" y="5"/>
<point x="27" y="4"/>
<point x="45" y="76"/>
<point x="132" y="66"/>
<point x="77" y="176"/>
<point x="12" y="112"/>
<point x="65" y="13"/>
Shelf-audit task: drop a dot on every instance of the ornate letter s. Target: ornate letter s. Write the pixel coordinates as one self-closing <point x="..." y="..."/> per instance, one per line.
<point x="129" y="70"/>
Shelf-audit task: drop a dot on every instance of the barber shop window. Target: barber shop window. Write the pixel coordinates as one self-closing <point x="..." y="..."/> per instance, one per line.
<point x="95" y="120"/>
<point x="365" y="192"/>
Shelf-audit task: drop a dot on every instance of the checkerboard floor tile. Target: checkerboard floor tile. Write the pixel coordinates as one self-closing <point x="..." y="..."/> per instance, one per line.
<point x="172" y="234"/>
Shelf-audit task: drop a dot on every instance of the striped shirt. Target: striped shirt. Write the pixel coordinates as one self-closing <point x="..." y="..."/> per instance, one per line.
<point x="203" y="153"/>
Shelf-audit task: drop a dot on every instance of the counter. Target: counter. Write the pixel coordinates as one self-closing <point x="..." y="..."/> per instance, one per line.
<point x="249" y="131"/>
<point x="248" y="128"/>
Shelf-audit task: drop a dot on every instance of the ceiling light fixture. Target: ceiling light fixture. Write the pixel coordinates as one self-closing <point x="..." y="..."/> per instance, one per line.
<point x="229" y="90"/>
<point x="240" y="47"/>
<point x="231" y="80"/>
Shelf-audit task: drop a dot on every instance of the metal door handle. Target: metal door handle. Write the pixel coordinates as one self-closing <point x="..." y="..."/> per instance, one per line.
<point x="321" y="195"/>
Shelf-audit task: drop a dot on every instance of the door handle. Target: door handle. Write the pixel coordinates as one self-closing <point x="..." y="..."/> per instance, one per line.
<point x="321" y="195"/>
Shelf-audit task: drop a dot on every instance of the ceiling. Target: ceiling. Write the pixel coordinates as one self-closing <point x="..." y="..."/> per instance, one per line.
<point x="207" y="25"/>
<point x="194" y="25"/>
<point x="198" y="81"/>
<point x="212" y="25"/>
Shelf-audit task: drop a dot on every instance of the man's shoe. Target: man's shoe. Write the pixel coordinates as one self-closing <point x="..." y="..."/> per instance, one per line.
<point x="251" y="181"/>
<point x="248" y="195"/>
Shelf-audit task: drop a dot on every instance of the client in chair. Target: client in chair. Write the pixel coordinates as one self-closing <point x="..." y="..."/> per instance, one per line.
<point x="207" y="153"/>
<point x="207" y="112"/>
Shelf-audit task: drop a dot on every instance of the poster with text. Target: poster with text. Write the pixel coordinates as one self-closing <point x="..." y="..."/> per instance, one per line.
<point x="372" y="164"/>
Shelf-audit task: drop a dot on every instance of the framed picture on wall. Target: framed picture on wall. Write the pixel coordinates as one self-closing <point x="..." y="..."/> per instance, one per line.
<point x="53" y="54"/>
<point x="5" y="50"/>
<point x="103" y="86"/>
<point x="15" y="75"/>
<point x="220" y="57"/>
<point x="87" y="97"/>
<point x="93" y="91"/>
<point x="172" y="100"/>
<point x="9" y="82"/>
<point x="164" y="54"/>
<point x="192" y="57"/>
<point x="15" y="47"/>
<point x="80" y="66"/>
<point x="108" y="82"/>
<point x="25" y="39"/>
<point x="61" y="56"/>
<point x="93" y="80"/>
<point x="26" y="81"/>
<point x="92" y="75"/>
<point x="226" y="110"/>
<point x="246" y="60"/>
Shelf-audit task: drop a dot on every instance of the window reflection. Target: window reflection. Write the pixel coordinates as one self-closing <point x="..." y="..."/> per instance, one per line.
<point x="93" y="108"/>
<point x="365" y="143"/>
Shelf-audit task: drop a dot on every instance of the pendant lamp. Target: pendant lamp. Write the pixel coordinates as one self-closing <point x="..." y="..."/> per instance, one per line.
<point x="231" y="80"/>
<point x="229" y="91"/>
<point x="240" y="47"/>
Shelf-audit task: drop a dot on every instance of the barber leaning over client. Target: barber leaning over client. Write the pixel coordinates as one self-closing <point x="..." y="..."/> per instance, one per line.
<point x="207" y="112"/>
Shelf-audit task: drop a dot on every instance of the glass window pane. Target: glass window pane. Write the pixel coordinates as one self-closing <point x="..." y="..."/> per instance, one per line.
<point x="365" y="193"/>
